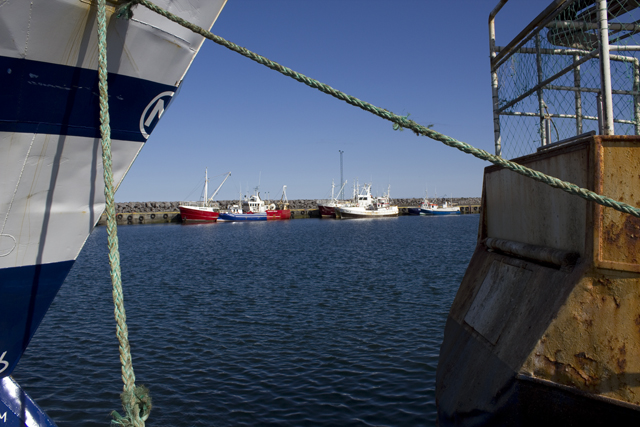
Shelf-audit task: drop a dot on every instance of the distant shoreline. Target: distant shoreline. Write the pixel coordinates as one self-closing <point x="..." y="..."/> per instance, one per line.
<point x="129" y="207"/>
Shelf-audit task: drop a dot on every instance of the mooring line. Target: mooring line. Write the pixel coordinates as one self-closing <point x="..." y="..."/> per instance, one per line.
<point x="135" y="400"/>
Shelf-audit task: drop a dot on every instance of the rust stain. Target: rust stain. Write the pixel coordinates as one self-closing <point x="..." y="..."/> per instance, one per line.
<point x="622" y="361"/>
<point x="624" y="238"/>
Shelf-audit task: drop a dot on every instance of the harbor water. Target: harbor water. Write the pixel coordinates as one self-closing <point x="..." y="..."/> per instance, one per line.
<point x="293" y="323"/>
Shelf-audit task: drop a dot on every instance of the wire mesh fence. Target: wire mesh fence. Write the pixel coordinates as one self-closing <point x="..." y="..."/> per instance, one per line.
<point x="551" y="83"/>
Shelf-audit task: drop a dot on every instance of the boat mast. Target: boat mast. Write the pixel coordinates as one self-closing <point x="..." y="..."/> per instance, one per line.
<point x="341" y="177"/>
<point x="341" y="190"/>
<point x="220" y="186"/>
<point x="206" y="189"/>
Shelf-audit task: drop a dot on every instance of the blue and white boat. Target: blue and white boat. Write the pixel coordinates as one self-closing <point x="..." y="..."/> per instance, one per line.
<point x="428" y="208"/>
<point x="241" y="216"/>
<point x="52" y="191"/>
<point x="249" y="209"/>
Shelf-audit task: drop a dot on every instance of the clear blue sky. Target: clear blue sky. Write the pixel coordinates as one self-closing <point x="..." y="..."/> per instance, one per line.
<point x="429" y="58"/>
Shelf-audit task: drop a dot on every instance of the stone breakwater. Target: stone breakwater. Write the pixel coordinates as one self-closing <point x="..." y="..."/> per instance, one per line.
<point x="139" y="207"/>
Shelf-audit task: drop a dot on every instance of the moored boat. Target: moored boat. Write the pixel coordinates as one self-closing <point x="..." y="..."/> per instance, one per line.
<point x="428" y="208"/>
<point x="434" y="209"/>
<point x="254" y="208"/>
<point x="50" y="145"/>
<point x="327" y="208"/>
<point x="367" y="206"/>
<point x="204" y="211"/>
<point x="280" y="209"/>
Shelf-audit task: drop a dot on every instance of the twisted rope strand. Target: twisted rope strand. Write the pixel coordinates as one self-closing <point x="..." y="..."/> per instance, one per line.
<point x="130" y="398"/>
<point x="387" y="115"/>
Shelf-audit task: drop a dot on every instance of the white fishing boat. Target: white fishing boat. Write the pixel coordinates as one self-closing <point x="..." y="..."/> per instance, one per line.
<point x="365" y="205"/>
<point x="52" y="191"/>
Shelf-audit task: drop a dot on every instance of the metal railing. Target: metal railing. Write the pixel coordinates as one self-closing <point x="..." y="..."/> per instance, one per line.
<point x="559" y="78"/>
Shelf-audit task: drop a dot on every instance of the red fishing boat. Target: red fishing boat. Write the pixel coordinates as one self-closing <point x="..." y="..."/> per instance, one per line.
<point x="327" y="208"/>
<point x="280" y="210"/>
<point x="204" y="211"/>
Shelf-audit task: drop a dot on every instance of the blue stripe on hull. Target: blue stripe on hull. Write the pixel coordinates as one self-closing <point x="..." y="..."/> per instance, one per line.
<point x="17" y="409"/>
<point x="25" y="296"/>
<point x="45" y="98"/>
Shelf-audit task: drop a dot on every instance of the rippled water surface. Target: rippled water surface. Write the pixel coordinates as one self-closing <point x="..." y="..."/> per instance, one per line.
<point x="294" y="323"/>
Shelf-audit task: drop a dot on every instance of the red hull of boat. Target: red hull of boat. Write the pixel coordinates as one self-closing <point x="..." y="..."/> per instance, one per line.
<point x="188" y="214"/>
<point x="279" y="214"/>
<point x="327" y="211"/>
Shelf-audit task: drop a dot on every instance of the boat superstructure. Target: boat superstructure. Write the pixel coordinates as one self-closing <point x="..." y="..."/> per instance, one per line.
<point x="52" y="191"/>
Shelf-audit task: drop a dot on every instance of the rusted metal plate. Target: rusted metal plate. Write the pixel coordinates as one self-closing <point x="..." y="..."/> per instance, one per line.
<point x="525" y="324"/>
<point x="617" y="244"/>
<point x="494" y="302"/>
<point x="520" y="209"/>
<point x="594" y="342"/>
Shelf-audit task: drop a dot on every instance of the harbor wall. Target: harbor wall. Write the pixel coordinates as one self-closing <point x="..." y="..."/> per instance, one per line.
<point x="144" y="207"/>
<point x="162" y="212"/>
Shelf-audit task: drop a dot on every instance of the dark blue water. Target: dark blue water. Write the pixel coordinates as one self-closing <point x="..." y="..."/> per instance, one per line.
<point x="293" y="323"/>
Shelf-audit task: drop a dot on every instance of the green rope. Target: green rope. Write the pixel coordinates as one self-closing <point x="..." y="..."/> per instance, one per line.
<point x="401" y="122"/>
<point x="135" y="400"/>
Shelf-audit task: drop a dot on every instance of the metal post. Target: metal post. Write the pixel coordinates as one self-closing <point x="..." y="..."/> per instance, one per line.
<point x="494" y="78"/>
<point x="599" y="106"/>
<point x="636" y="98"/>
<point x="578" y="95"/>
<point x="541" y="104"/>
<point x="547" y="130"/>
<point x="605" y="70"/>
<point x="496" y="116"/>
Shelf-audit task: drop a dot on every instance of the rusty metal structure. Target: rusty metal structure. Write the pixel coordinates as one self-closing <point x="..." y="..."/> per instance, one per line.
<point x="574" y="69"/>
<point x="545" y="327"/>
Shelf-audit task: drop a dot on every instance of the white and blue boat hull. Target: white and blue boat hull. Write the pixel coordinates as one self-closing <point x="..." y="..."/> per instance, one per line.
<point x="445" y="211"/>
<point x="52" y="191"/>
<point x="229" y="217"/>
